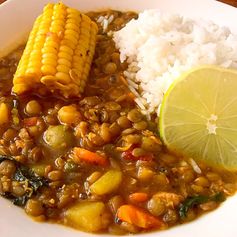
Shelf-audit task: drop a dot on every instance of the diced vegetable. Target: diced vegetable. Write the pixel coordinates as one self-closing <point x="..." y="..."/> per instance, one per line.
<point x="58" y="137"/>
<point x="32" y="121"/>
<point x="89" y="216"/>
<point x="4" y="111"/>
<point x="145" y="174"/>
<point x="138" y="197"/>
<point x="69" y="115"/>
<point x="190" y="202"/>
<point x="81" y="154"/>
<point x="39" y="169"/>
<point x="115" y="202"/>
<point x="107" y="183"/>
<point x="138" y="217"/>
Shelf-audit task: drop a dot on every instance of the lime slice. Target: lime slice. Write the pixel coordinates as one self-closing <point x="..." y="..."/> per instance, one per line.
<point x="198" y="116"/>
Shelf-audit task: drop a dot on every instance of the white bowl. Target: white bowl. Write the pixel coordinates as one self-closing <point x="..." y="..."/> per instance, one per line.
<point x="16" y="19"/>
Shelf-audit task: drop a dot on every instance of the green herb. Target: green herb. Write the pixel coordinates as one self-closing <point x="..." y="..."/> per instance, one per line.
<point x="15" y="116"/>
<point x="4" y="157"/>
<point x="18" y="201"/>
<point x="25" y="174"/>
<point x="15" y="113"/>
<point x="31" y="180"/>
<point x="218" y="197"/>
<point x="193" y="201"/>
<point x="70" y="166"/>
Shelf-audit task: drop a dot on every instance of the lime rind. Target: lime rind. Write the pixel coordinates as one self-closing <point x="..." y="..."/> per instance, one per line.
<point x="199" y="133"/>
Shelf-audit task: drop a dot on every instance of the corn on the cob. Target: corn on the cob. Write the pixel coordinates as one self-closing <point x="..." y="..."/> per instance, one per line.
<point x="58" y="53"/>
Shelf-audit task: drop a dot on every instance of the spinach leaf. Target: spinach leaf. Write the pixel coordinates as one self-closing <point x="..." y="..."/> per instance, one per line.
<point x="218" y="197"/>
<point x="18" y="201"/>
<point x="193" y="201"/>
<point x="24" y="174"/>
<point x="4" y="157"/>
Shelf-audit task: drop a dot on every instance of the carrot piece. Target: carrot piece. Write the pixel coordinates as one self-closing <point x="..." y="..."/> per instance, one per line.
<point x="28" y="122"/>
<point x="81" y="154"/>
<point x="138" y="217"/>
<point x="138" y="197"/>
<point x="131" y="95"/>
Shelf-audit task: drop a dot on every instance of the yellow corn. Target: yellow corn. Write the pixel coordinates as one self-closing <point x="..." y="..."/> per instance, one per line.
<point x="58" y="54"/>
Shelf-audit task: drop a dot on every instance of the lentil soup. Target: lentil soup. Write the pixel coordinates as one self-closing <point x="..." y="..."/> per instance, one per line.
<point x="96" y="163"/>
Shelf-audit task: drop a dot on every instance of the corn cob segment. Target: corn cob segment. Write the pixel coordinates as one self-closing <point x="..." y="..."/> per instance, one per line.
<point x="58" y="54"/>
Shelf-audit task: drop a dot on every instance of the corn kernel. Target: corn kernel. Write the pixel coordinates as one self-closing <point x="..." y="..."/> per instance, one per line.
<point x="48" y="79"/>
<point x="56" y="29"/>
<point x="50" y="55"/>
<point x="67" y="49"/>
<point x="51" y="43"/>
<point x="49" y="50"/>
<point x="74" y="22"/>
<point x="35" y="64"/>
<point x="65" y="56"/>
<point x="49" y="61"/>
<point x="63" y="68"/>
<point x="48" y="70"/>
<point x="63" y="77"/>
<point x="75" y="75"/>
<point x="33" y="72"/>
<point x="58" y="16"/>
<point x="63" y="61"/>
<point x="71" y="26"/>
<point x="58" y="22"/>
<point x="66" y="42"/>
<point x="20" y="88"/>
<point x="78" y="65"/>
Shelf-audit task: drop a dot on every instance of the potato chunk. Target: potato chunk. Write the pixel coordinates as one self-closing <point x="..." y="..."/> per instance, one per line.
<point x="4" y="111"/>
<point x="88" y="216"/>
<point x="107" y="183"/>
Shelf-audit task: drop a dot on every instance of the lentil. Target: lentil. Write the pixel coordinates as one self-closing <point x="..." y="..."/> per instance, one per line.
<point x="34" y="208"/>
<point x="134" y="116"/>
<point x="33" y="108"/>
<point x="55" y="175"/>
<point x="124" y="122"/>
<point x="7" y="168"/>
<point x="138" y="152"/>
<point x="156" y="206"/>
<point x="110" y="68"/>
<point x="9" y="134"/>
<point x="140" y="125"/>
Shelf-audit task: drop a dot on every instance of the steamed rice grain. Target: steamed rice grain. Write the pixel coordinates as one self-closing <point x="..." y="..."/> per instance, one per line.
<point x="159" y="47"/>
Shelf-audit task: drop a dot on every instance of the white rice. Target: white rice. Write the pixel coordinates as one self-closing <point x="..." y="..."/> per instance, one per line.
<point x="159" y="47"/>
<point x="105" y="21"/>
<point x="195" y="166"/>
